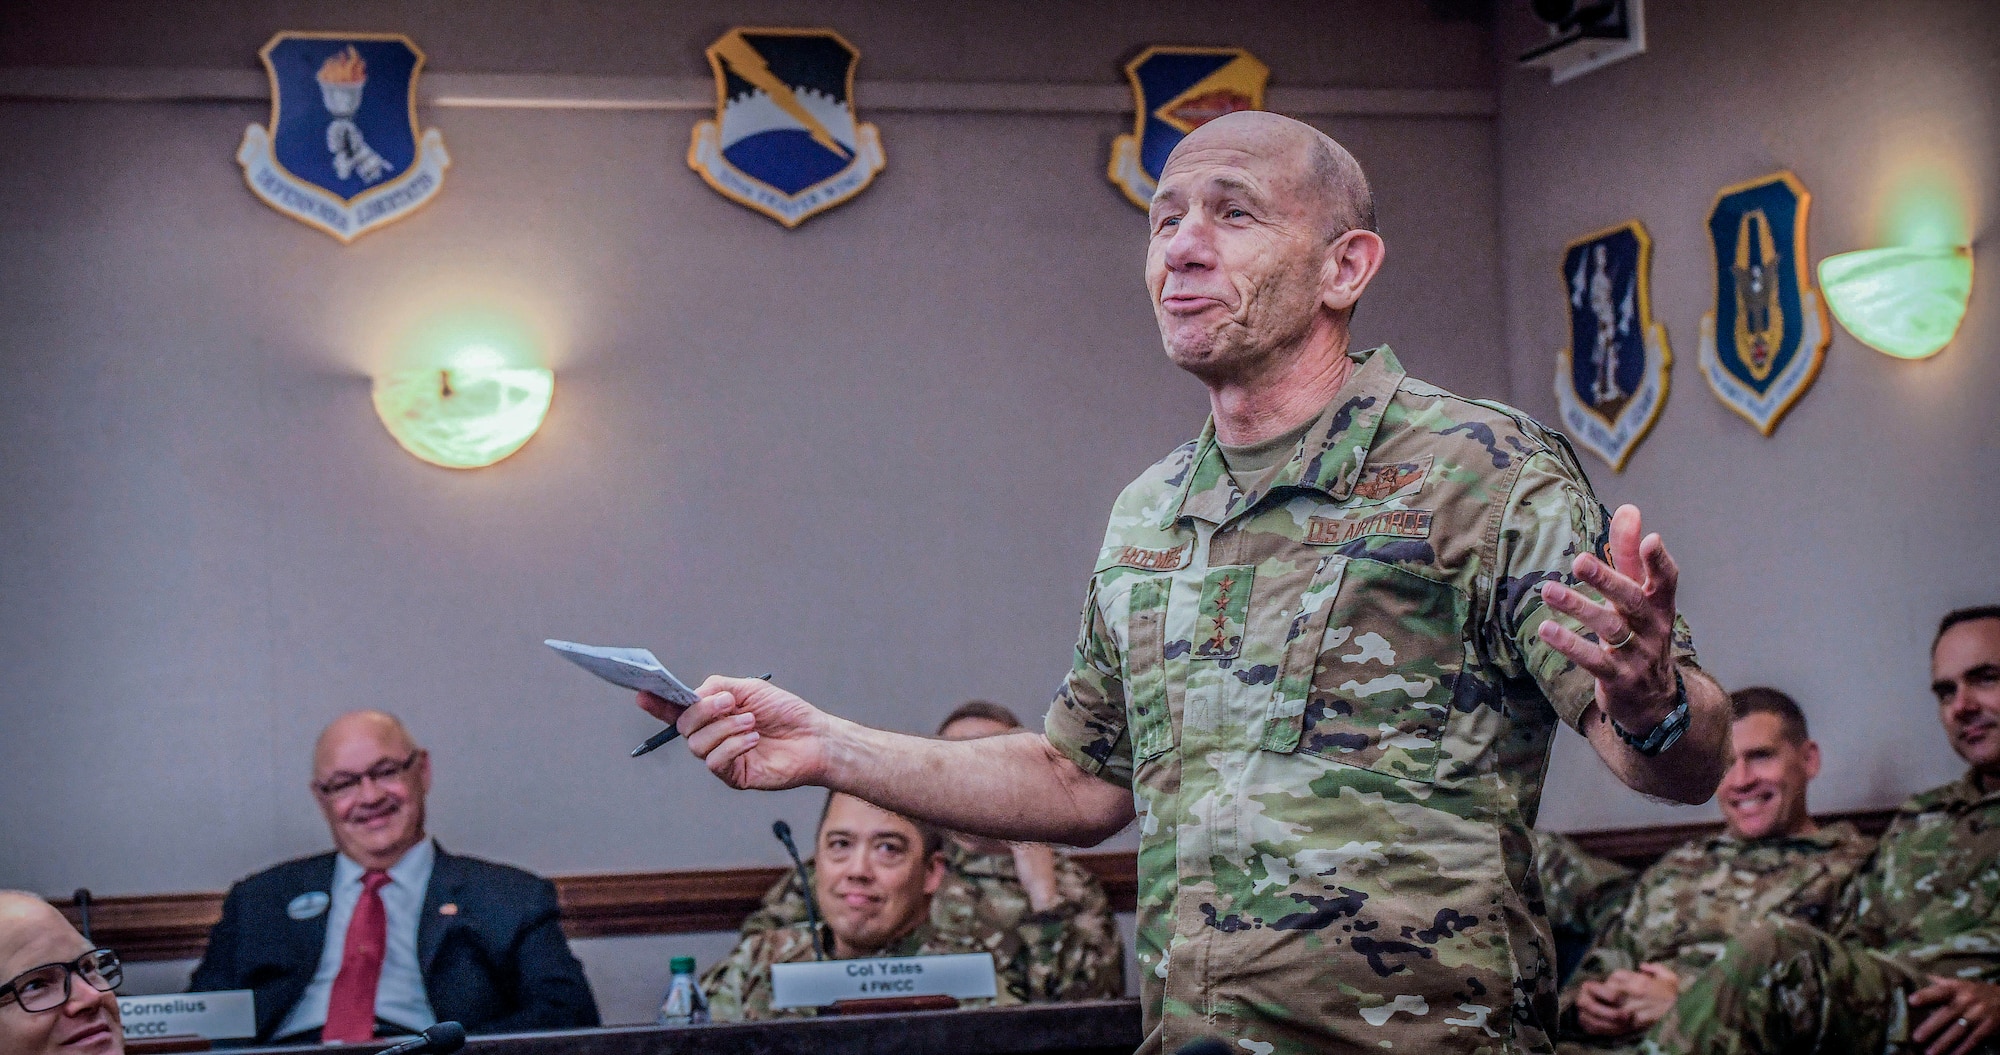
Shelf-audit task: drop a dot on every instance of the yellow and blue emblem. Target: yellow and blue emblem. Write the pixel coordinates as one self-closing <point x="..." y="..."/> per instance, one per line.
<point x="1763" y="344"/>
<point x="1177" y="90"/>
<point x="1611" y="378"/>
<point x="785" y="140"/>
<point x="343" y="153"/>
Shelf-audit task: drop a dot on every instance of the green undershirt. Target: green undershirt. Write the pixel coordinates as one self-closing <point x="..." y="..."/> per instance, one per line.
<point x="1249" y="464"/>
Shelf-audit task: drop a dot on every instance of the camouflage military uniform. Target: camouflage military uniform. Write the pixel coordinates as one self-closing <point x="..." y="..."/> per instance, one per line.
<point x="739" y="988"/>
<point x="1583" y="892"/>
<point x="1705" y="891"/>
<point x="1326" y="691"/>
<point x="1071" y="951"/>
<point x="1927" y="903"/>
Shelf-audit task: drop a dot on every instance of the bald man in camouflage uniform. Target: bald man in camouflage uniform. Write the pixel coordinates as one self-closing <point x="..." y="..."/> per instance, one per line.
<point x="1913" y="957"/>
<point x="1770" y="859"/>
<point x="1325" y="650"/>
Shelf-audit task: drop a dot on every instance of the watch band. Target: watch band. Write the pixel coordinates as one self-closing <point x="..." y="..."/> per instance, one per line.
<point x="1665" y="734"/>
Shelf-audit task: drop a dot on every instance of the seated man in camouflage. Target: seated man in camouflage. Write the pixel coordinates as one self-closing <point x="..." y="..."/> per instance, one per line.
<point x="1018" y="901"/>
<point x="877" y="872"/>
<point x="1770" y="858"/>
<point x="1582" y="892"/>
<point x="1908" y="962"/>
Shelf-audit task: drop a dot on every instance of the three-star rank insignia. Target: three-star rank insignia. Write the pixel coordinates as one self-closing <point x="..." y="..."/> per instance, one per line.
<point x="1177" y="90"/>
<point x="1611" y="378"/>
<point x="785" y="140"/>
<point x="1763" y="344"/>
<point x="343" y="153"/>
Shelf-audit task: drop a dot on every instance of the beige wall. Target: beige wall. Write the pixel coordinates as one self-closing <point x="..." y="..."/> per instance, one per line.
<point x="872" y="455"/>
<point x="1817" y="560"/>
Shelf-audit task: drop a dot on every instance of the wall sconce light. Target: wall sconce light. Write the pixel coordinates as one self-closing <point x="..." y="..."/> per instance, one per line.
<point x="471" y="412"/>
<point x="1906" y="301"/>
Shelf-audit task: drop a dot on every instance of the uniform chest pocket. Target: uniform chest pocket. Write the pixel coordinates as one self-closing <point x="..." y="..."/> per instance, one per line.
<point x="1149" y="714"/>
<point x="1368" y="678"/>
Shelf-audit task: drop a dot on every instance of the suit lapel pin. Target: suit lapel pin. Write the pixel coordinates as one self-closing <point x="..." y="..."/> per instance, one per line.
<point x="307" y="905"/>
<point x="449" y="908"/>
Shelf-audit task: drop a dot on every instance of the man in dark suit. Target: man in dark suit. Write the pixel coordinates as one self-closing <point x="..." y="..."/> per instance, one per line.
<point x="390" y="933"/>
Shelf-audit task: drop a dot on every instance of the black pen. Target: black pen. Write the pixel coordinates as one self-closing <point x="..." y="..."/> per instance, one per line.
<point x="667" y="735"/>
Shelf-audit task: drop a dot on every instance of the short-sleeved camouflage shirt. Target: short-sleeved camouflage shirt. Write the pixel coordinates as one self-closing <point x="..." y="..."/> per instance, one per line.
<point x="1930" y="897"/>
<point x="1326" y="691"/>
<point x="1703" y="892"/>
<point x="1070" y="951"/>
<point x="738" y="988"/>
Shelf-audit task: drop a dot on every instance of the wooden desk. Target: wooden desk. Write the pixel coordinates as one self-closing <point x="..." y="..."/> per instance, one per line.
<point x="1106" y="1027"/>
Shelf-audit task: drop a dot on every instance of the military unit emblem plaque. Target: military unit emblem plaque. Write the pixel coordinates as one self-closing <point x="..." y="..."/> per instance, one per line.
<point x="1762" y="345"/>
<point x="785" y="140"/>
<point x="343" y="153"/>
<point x="1177" y="90"/>
<point x="1611" y="378"/>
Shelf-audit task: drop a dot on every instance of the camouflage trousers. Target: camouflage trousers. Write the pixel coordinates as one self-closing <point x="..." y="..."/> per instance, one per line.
<point x="1785" y="987"/>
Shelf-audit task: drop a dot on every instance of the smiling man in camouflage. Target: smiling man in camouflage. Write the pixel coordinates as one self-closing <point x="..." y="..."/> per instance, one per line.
<point x="1326" y="646"/>
<point x="1770" y="858"/>
<point x="1912" y="957"/>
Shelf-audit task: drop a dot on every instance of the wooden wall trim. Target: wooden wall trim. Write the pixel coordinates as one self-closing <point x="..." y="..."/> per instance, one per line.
<point x="175" y="926"/>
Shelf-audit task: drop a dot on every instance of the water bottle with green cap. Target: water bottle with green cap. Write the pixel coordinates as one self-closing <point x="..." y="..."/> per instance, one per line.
<point x="684" y="1005"/>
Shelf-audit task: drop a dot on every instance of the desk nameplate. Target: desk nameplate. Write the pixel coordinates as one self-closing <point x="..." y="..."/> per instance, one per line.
<point x="960" y="975"/>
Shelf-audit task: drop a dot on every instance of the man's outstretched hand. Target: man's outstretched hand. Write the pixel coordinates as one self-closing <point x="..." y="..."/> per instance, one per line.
<point x="1633" y="656"/>
<point x="750" y="733"/>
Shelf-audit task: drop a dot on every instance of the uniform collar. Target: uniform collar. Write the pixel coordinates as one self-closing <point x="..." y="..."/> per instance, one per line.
<point x="1828" y="837"/>
<point x="1959" y="795"/>
<point x="1327" y="460"/>
<point x="911" y="944"/>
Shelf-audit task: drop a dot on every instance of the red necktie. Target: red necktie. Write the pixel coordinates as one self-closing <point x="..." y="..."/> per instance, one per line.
<point x="350" y="1009"/>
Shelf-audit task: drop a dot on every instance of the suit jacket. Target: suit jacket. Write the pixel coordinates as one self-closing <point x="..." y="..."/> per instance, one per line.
<point x="499" y="964"/>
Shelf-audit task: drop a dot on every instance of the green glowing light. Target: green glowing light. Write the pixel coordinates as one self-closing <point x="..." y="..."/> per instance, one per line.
<point x="464" y="418"/>
<point x="469" y="389"/>
<point x="1906" y="300"/>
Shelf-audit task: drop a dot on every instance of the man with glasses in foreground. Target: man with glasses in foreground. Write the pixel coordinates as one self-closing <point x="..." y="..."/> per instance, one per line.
<point x="390" y="934"/>
<point x="55" y="990"/>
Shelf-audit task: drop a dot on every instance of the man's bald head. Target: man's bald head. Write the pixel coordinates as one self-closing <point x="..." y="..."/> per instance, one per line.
<point x="19" y="910"/>
<point x="1324" y="173"/>
<point x="376" y="726"/>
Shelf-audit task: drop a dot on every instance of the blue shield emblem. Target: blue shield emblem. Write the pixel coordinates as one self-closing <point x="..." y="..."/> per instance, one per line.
<point x="1763" y="344"/>
<point x="1176" y="91"/>
<point x="785" y="140"/>
<point x="343" y="152"/>
<point x="1611" y="378"/>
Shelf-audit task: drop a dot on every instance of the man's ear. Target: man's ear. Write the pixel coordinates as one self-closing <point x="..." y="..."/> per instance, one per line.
<point x="1351" y="263"/>
<point x="934" y="876"/>
<point x="1812" y="759"/>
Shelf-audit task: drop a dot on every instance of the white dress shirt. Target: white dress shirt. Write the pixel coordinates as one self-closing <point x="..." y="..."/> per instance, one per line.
<point x="399" y="996"/>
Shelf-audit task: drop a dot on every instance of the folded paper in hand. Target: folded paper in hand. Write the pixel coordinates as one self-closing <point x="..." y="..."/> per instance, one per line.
<point x="633" y="668"/>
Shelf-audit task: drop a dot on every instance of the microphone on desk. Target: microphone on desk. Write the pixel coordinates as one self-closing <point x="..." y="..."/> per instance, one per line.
<point x="82" y="899"/>
<point x="441" y="1039"/>
<point x="784" y="833"/>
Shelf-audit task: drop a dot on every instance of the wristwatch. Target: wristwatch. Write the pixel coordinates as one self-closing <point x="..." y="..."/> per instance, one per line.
<point x="1667" y="732"/>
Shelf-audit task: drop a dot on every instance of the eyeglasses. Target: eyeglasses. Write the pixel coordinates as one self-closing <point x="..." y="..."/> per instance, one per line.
<point x="46" y="988"/>
<point x="340" y="783"/>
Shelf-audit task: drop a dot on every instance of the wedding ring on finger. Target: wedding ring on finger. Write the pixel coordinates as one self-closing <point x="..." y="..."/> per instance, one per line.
<point x="1614" y="646"/>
